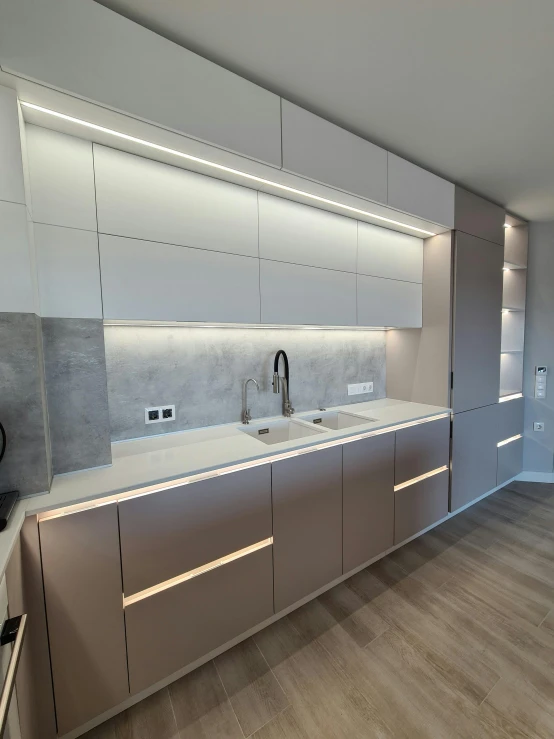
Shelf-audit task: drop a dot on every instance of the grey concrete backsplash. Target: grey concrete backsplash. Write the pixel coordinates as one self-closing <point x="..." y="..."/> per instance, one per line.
<point x="75" y="372"/>
<point x="25" y="466"/>
<point x="201" y="371"/>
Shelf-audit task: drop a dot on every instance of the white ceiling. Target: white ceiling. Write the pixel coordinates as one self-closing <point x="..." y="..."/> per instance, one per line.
<point x="461" y="87"/>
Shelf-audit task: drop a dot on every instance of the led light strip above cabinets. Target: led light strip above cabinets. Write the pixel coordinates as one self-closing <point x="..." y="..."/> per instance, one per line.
<point x="228" y="170"/>
<point x="509" y="441"/>
<point x="413" y="481"/>
<point x="129" y="600"/>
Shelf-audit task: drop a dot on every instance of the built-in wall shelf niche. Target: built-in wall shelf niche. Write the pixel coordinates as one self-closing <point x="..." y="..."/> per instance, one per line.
<point x="516" y="238"/>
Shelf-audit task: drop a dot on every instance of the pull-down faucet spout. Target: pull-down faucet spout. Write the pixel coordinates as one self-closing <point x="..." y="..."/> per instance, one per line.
<point x="281" y="384"/>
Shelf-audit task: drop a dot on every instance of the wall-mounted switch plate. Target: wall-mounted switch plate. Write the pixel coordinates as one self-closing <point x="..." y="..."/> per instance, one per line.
<point x="538" y="426"/>
<point x="360" y="388"/>
<point x="159" y="414"/>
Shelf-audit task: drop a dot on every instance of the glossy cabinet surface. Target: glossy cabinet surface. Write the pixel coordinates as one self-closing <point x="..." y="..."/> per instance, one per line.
<point x="169" y="533"/>
<point x="298" y="295"/>
<point x="368" y="499"/>
<point x="414" y="190"/>
<point x="296" y="233"/>
<point x="421" y="448"/>
<point x="190" y="284"/>
<point x="321" y="151"/>
<point x="477" y="326"/>
<point x="383" y="302"/>
<point x="474" y="454"/>
<point x="171" y="629"/>
<point x="307" y="523"/>
<point x="82" y="587"/>
<point x="420" y="505"/>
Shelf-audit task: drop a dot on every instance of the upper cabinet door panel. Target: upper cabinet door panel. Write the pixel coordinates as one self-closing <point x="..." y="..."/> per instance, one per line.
<point x="149" y="200"/>
<point x="296" y="295"/>
<point x="321" y="151"/>
<point x="145" y="280"/>
<point x="419" y="192"/>
<point x="129" y="68"/>
<point x="62" y="179"/>
<point x="296" y="233"/>
<point x="12" y="188"/>
<point x="477" y="322"/>
<point x="383" y="302"/>
<point x="479" y="217"/>
<point x="386" y="253"/>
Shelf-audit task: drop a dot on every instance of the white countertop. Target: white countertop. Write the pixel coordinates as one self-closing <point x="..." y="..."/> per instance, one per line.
<point x="160" y="459"/>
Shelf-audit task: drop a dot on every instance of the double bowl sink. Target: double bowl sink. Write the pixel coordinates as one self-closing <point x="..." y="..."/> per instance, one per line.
<point x="312" y="424"/>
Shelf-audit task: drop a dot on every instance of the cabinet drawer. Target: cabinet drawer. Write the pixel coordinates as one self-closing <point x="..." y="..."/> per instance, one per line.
<point x="171" y="629"/>
<point x="307" y="523"/>
<point x="368" y="499"/>
<point x="421" y="449"/>
<point x="510" y="418"/>
<point x="420" y="505"/>
<point x="166" y="534"/>
<point x="510" y="460"/>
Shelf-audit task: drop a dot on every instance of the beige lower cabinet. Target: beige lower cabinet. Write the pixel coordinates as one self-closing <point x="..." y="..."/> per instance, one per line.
<point x="510" y="460"/>
<point x="307" y="523"/>
<point x="420" y="505"/>
<point x="171" y="628"/>
<point x="368" y="499"/>
<point x="82" y="587"/>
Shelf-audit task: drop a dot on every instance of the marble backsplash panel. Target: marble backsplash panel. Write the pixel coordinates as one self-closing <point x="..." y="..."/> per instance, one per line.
<point x="201" y="371"/>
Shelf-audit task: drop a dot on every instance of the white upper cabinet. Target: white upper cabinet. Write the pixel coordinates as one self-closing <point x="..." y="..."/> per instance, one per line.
<point x="321" y="151"/>
<point x="12" y="188"/>
<point x="386" y="253"/>
<point x="295" y="295"/>
<point x="383" y="302"/>
<point x="89" y="51"/>
<point x="16" y="284"/>
<point x="291" y="232"/>
<point x="62" y="179"/>
<point x="414" y="190"/>
<point x="150" y="281"/>
<point x="143" y="199"/>
<point x="68" y="272"/>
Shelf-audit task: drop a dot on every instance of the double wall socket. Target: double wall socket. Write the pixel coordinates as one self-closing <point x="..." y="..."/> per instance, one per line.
<point x="159" y="414"/>
<point x="360" y="388"/>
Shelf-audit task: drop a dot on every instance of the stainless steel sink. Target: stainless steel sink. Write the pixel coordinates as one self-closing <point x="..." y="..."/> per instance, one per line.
<point x="336" y="420"/>
<point x="275" y="432"/>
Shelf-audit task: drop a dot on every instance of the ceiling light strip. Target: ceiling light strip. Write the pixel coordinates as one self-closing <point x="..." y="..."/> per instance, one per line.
<point x="413" y="481"/>
<point x="504" y="398"/>
<point x="223" y="168"/>
<point x="160" y="587"/>
<point x="509" y="441"/>
<point x="161" y="487"/>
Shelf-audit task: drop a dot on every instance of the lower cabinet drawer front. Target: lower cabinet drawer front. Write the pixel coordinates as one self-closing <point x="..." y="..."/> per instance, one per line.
<point x="510" y="461"/>
<point x="174" y="531"/>
<point x="171" y="629"/>
<point x="420" y="505"/>
<point x="421" y="449"/>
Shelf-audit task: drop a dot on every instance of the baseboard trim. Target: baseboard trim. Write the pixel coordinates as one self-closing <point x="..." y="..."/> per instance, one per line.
<point x="131" y="701"/>
<point x="536" y="476"/>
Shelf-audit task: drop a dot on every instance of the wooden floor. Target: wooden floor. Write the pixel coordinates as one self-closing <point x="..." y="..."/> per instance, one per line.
<point x="450" y="636"/>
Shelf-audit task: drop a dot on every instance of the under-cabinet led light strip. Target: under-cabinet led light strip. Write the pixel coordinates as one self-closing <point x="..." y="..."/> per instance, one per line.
<point x="159" y="488"/>
<point x="139" y="323"/>
<point x="413" y="481"/>
<point x="504" y="398"/>
<point x="222" y="168"/>
<point x="508" y="441"/>
<point x="141" y="595"/>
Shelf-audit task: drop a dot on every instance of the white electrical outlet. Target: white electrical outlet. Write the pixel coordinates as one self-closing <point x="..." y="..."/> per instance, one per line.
<point x="360" y="388"/>
<point x="538" y="426"/>
<point x="159" y="414"/>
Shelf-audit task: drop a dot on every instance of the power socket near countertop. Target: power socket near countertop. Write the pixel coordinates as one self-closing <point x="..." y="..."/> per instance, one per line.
<point x="360" y="388"/>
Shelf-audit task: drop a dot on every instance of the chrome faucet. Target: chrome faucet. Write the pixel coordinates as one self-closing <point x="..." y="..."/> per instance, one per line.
<point x="245" y="415"/>
<point x="282" y="383"/>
